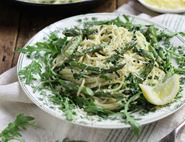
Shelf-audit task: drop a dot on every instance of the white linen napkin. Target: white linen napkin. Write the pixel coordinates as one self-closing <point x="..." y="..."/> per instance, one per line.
<point x="13" y="101"/>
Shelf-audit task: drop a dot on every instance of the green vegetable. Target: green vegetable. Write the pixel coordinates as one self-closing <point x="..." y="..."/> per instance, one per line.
<point x="53" y="46"/>
<point x="90" y="50"/>
<point x="179" y="71"/>
<point x="72" y="46"/>
<point x="68" y="140"/>
<point x="117" y="21"/>
<point x="29" y="71"/>
<point x="66" y="106"/>
<point x="119" y="54"/>
<point x="147" y="69"/>
<point x="95" y="70"/>
<point x="22" y="122"/>
<point x="145" y="53"/>
<point x="12" y="131"/>
<point x="76" y="32"/>
<point x="134" y="124"/>
<point x="73" y="88"/>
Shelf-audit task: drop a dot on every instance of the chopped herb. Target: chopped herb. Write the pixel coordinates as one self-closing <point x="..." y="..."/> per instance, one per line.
<point x="12" y="131"/>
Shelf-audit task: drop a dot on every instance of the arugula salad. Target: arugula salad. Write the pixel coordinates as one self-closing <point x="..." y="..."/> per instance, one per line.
<point x="107" y="68"/>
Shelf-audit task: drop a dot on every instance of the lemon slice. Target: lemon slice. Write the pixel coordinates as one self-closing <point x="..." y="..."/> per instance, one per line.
<point x="163" y="93"/>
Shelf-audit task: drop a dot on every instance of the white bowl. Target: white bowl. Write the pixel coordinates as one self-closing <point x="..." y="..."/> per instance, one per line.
<point x="161" y="10"/>
<point x="46" y="105"/>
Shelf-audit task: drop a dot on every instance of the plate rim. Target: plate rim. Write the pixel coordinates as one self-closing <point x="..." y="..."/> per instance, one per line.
<point x="55" y="4"/>
<point x="51" y="112"/>
<point x="161" y="10"/>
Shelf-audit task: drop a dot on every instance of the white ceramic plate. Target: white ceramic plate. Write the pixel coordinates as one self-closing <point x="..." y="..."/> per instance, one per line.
<point x="32" y="2"/>
<point x="43" y="102"/>
<point x="161" y="10"/>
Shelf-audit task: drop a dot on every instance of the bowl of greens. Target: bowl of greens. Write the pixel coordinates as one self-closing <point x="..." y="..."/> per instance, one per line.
<point x="104" y="70"/>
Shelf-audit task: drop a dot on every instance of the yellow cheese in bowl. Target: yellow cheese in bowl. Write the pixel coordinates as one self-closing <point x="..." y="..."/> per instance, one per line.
<point x="167" y="4"/>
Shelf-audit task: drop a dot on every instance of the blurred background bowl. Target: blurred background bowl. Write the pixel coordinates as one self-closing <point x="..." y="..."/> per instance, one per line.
<point x="67" y="9"/>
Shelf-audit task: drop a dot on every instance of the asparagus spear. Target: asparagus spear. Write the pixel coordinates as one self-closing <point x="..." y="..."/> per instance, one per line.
<point x="148" y="68"/>
<point x="113" y="58"/>
<point x="79" y="54"/>
<point x="72" y="32"/>
<point x="117" y="21"/>
<point x="69" y="49"/>
<point x="119" y="54"/>
<point x="95" y="70"/>
<point x="157" y="57"/>
<point x="73" y="88"/>
<point x="179" y="71"/>
<point x="151" y="34"/>
<point x="76" y="32"/>
<point x="107" y="93"/>
<point x="145" y="54"/>
<point x="89" y="50"/>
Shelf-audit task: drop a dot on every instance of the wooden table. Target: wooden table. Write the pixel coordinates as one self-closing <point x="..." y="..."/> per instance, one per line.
<point x="18" y="25"/>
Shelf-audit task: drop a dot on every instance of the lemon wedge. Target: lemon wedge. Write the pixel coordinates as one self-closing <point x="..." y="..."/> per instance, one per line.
<point x="163" y="93"/>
